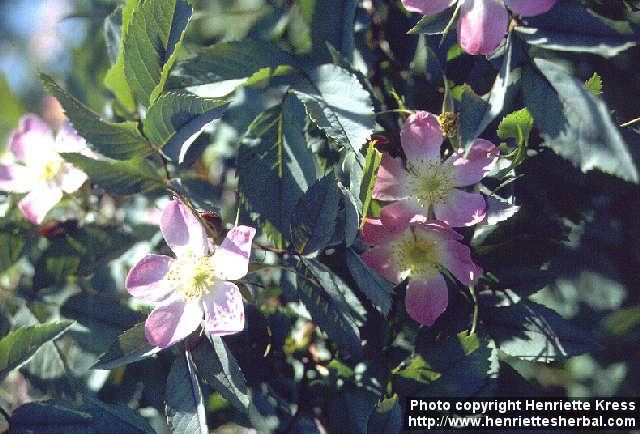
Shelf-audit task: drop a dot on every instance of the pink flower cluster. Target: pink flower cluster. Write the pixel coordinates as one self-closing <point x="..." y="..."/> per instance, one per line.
<point x="482" y="23"/>
<point x="193" y="285"/>
<point x="37" y="167"/>
<point x="413" y="238"/>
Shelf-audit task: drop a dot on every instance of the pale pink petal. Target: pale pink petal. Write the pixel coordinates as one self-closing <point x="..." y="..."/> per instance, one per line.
<point x="68" y="140"/>
<point x="440" y="229"/>
<point x="482" y="25"/>
<point x="39" y="201"/>
<point x="182" y="231"/>
<point x="456" y="257"/>
<point x="391" y="180"/>
<point x="398" y="215"/>
<point x="223" y="309"/>
<point x="32" y="137"/>
<point x="145" y="280"/>
<point x="15" y="178"/>
<point x="529" y="8"/>
<point x="70" y="179"/>
<point x="381" y="260"/>
<point x="421" y="137"/>
<point x="172" y="322"/>
<point x="374" y="232"/>
<point x="231" y="259"/>
<point x="482" y="157"/>
<point x="426" y="298"/>
<point x="461" y="209"/>
<point x="427" y="7"/>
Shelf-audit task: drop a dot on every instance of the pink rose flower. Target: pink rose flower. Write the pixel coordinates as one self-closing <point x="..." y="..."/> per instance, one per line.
<point x="482" y="23"/>
<point x="38" y="167"/>
<point x="194" y="284"/>
<point x="419" y="251"/>
<point x="427" y="182"/>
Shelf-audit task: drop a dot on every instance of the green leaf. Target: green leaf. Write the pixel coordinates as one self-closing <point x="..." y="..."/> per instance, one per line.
<point x="333" y="22"/>
<point x="151" y="42"/>
<point x="433" y="24"/>
<point x="104" y="316"/>
<point x="387" y="418"/>
<point x="575" y="123"/>
<point x="516" y="125"/>
<point x="374" y="287"/>
<point x="571" y="27"/>
<point x="338" y="104"/>
<point x="175" y="120"/>
<point x="372" y="162"/>
<point x="248" y="61"/>
<point x="217" y="366"/>
<point x="477" y="113"/>
<point x="351" y="409"/>
<point x="331" y="303"/>
<point x="119" y="177"/>
<point x="185" y="410"/>
<point x="457" y="366"/>
<point x="80" y="251"/>
<point x="18" y="346"/>
<point x="313" y="219"/>
<point x="530" y="331"/>
<point x="115" y="79"/>
<point x="115" y="140"/>
<point x="12" y="109"/>
<point x="594" y="84"/>
<point x="275" y="166"/>
<point x="131" y="346"/>
<point x="90" y="416"/>
<point x="13" y="241"/>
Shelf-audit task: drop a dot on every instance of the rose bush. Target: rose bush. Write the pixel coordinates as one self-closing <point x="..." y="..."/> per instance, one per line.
<point x="291" y="216"/>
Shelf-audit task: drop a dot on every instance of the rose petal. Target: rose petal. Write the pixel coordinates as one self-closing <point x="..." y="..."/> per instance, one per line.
<point x="426" y="298"/>
<point x="172" y="322"/>
<point x="421" y="137"/>
<point x="461" y="209"/>
<point x="39" y="201"/>
<point x="31" y="139"/>
<point x="482" y="157"/>
<point x="15" y="178"/>
<point x="391" y="180"/>
<point x="70" y="179"/>
<point x="374" y="232"/>
<point x="482" y="25"/>
<point x="440" y="229"/>
<point x="223" y="309"/>
<point x="529" y="8"/>
<point x="182" y="231"/>
<point x="68" y="140"/>
<point x="145" y="279"/>
<point x="398" y="215"/>
<point x="231" y="258"/>
<point x="427" y="7"/>
<point x="380" y="259"/>
<point x="457" y="259"/>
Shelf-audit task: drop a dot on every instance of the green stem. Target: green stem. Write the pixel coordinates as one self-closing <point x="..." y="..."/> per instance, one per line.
<point x="631" y="122"/>
<point x="472" y="290"/>
<point x="451" y="22"/>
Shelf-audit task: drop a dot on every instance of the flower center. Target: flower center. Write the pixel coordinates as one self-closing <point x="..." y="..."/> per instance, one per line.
<point x="193" y="276"/>
<point x="50" y="169"/>
<point x="417" y="254"/>
<point x="431" y="182"/>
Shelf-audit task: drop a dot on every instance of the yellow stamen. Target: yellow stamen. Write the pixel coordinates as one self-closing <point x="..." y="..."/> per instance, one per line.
<point x="417" y="253"/>
<point x="193" y="276"/>
<point x="430" y="182"/>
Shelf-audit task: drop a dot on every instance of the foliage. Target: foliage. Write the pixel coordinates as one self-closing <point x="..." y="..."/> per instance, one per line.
<point x="280" y="117"/>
